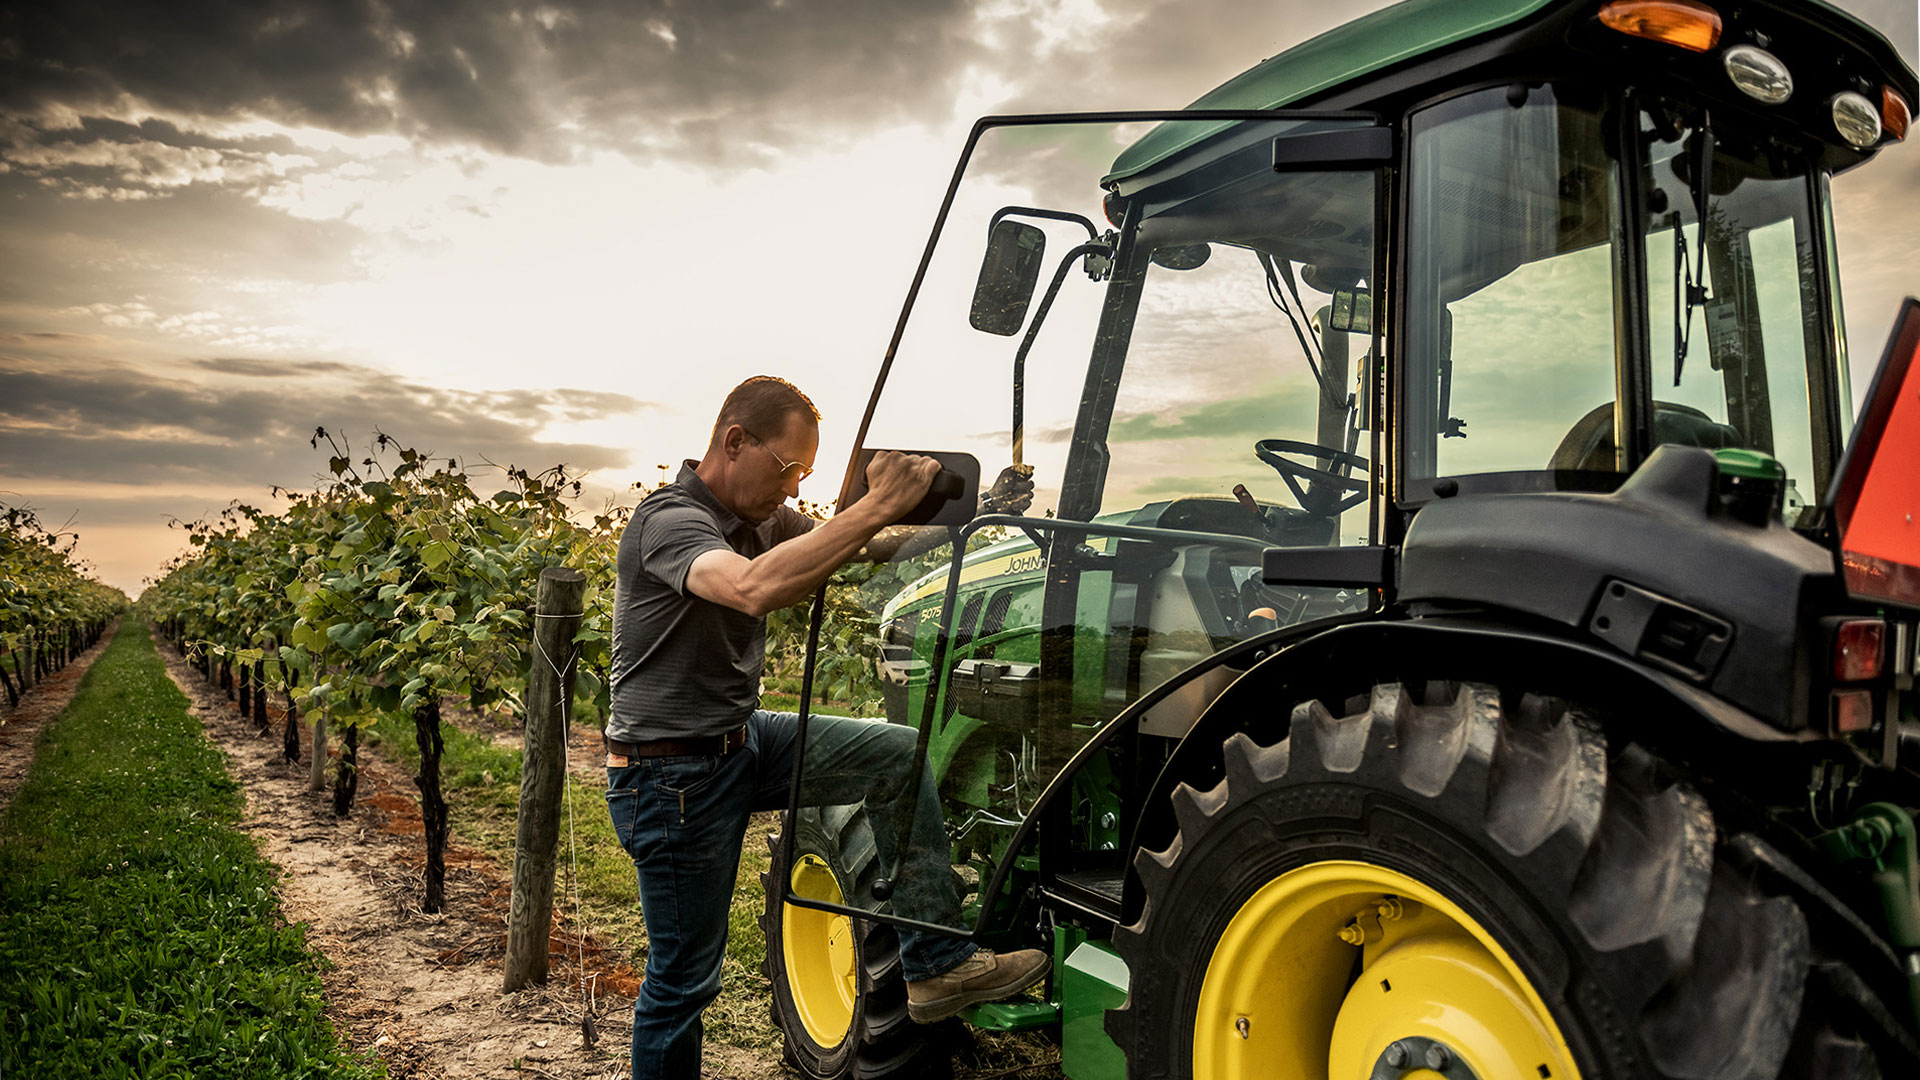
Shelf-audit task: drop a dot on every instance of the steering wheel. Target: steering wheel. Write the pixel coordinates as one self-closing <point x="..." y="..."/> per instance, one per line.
<point x="1349" y="491"/>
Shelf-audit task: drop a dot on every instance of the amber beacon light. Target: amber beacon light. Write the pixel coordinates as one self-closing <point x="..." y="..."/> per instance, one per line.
<point x="1895" y="116"/>
<point x="1691" y="26"/>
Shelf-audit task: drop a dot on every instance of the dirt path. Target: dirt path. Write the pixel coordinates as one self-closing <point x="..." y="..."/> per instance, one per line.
<point x="422" y="991"/>
<point x="20" y="724"/>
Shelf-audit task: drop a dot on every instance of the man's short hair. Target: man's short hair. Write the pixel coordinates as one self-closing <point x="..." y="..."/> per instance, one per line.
<point x="761" y="405"/>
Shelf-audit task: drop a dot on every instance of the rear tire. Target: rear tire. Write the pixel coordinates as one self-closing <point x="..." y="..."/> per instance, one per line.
<point x="1564" y="915"/>
<point x="839" y="997"/>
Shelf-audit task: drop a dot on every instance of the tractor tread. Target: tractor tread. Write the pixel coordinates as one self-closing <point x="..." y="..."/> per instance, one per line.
<point x="886" y="1043"/>
<point x="1646" y="874"/>
<point x="1684" y="964"/>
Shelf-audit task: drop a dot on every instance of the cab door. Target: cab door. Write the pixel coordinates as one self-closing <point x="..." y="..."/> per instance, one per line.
<point x="1165" y="320"/>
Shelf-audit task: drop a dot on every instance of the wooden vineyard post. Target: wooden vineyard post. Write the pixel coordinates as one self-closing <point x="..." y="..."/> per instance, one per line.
<point x="260" y="697"/>
<point x="317" y="760"/>
<point x="561" y="600"/>
<point x="290" y="738"/>
<point x="433" y="803"/>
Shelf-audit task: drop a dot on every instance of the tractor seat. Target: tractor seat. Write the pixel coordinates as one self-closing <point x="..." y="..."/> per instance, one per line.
<point x="1589" y="445"/>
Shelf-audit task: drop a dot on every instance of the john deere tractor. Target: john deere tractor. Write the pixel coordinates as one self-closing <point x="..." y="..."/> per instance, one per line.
<point x="1466" y="623"/>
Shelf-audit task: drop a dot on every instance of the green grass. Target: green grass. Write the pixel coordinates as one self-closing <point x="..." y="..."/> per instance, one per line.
<point x="139" y="933"/>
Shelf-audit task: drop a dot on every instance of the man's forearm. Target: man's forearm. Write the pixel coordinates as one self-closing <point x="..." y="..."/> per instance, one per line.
<point x="791" y="571"/>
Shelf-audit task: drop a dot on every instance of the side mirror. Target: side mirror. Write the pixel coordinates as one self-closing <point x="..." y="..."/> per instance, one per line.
<point x="1352" y="311"/>
<point x="1008" y="274"/>
<point x="1183" y="257"/>
<point x="953" y="499"/>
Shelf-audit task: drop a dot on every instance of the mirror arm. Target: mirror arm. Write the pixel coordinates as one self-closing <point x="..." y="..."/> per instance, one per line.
<point x="1038" y="212"/>
<point x="1095" y="247"/>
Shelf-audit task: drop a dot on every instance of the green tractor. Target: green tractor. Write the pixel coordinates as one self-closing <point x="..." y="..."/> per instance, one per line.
<point x="1462" y="629"/>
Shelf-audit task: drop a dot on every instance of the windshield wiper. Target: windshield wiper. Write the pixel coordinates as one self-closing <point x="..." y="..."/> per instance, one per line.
<point x="1688" y="293"/>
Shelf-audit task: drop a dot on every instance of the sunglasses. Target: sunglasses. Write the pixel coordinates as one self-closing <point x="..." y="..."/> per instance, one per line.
<point x="800" y="472"/>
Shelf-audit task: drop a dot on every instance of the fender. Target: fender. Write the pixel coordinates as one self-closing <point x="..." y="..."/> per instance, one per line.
<point x="1662" y="571"/>
<point x="1503" y="649"/>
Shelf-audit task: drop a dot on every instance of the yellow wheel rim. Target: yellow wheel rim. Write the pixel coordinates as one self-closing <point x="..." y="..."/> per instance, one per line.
<point x="818" y="949"/>
<point x="1279" y="997"/>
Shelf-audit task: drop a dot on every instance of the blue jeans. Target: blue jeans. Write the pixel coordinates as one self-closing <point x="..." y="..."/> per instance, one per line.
<point x="683" y="819"/>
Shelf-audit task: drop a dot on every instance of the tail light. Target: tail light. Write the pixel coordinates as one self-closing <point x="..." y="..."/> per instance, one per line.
<point x="1859" y="649"/>
<point x="1684" y="23"/>
<point x="1852" y="711"/>
<point x="1114" y="207"/>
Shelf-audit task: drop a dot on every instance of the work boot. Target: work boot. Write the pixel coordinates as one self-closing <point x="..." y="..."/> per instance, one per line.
<point x="984" y="976"/>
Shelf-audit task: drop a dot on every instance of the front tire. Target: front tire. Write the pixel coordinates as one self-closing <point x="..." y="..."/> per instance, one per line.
<point x="839" y="997"/>
<point x="1444" y="877"/>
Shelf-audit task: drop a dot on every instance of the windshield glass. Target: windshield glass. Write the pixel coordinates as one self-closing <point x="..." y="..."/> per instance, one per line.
<point x="1184" y="383"/>
<point x="1510" y="344"/>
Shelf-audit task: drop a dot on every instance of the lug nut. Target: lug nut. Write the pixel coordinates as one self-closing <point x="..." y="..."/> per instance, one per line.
<point x="1396" y="1055"/>
<point x="1437" y="1057"/>
<point x="1352" y="934"/>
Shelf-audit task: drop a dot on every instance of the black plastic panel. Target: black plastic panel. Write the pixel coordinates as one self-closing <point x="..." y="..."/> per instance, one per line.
<point x="1723" y="604"/>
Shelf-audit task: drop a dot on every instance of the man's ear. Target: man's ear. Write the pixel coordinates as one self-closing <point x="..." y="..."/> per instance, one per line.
<point x="733" y="440"/>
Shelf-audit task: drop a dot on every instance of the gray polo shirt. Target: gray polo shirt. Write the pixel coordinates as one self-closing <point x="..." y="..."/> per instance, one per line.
<point x="683" y="666"/>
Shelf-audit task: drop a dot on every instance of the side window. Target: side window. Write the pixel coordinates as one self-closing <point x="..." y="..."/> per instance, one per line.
<point x="1244" y="383"/>
<point x="1752" y="365"/>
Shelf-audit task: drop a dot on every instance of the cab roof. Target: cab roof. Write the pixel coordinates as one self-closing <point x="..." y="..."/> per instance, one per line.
<point x="1366" y="46"/>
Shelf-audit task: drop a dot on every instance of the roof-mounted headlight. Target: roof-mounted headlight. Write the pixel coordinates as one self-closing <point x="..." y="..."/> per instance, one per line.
<point x="1758" y="73"/>
<point x="1856" y="119"/>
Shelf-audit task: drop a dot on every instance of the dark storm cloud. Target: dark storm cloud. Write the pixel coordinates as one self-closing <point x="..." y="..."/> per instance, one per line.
<point x="693" y="79"/>
<point x="268" y="369"/>
<point x="62" y="251"/>
<point x="707" y="80"/>
<point x="540" y="405"/>
<point x="127" y="425"/>
<point x="44" y="337"/>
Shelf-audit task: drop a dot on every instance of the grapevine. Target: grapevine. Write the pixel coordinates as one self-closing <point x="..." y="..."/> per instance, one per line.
<point x="50" y="610"/>
<point x="396" y="584"/>
<point x="391" y="586"/>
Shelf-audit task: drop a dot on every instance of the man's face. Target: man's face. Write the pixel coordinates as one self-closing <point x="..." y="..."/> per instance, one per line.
<point x="771" y="467"/>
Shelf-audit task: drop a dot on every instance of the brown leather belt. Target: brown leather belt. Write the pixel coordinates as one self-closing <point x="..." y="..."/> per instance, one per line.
<point x="715" y="745"/>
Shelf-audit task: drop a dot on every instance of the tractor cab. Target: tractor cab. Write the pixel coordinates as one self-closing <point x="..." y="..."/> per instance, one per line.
<point x="1449" y="250"/>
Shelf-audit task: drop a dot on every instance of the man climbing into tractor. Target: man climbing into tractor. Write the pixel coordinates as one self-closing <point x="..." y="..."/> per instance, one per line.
<point x="690" y="752"/>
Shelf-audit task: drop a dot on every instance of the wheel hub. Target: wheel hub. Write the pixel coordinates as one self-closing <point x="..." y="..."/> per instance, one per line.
<point x="1417" y="1057"/>
<point x="1339" y="968"/>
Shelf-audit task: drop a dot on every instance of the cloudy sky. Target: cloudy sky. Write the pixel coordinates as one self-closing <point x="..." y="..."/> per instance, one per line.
<point x="530" y="232"/>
